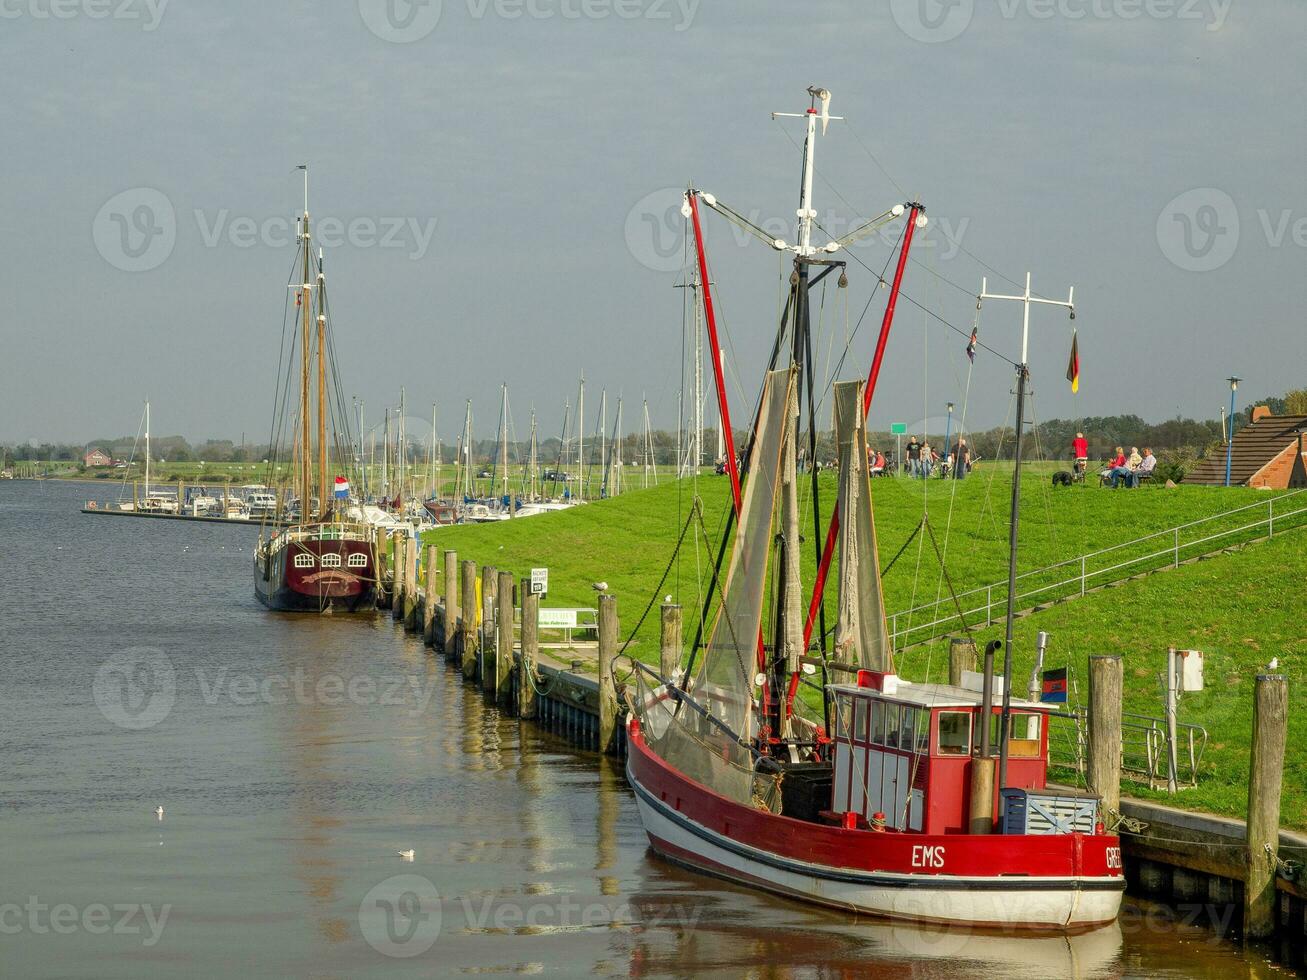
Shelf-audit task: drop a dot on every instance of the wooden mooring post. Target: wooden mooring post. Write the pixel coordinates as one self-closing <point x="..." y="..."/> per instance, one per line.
<point x="451" y="603"/>
<point x="526" y="690"/>
<point x="429" y="597"/>
<point x="489" y="587"/>
<point x="471" y="612"/>
<point x="504" y="639"/>
<point x="1104" y="776"/>
<point x="669" y="647"/>
<point x="380" y="546"/>
<point x="961" y="656"/>
<point x="398" y="565"/>
<point x="411" y="548"/>
<point x="1265" y="778"/>
<point x="607" y="681"/>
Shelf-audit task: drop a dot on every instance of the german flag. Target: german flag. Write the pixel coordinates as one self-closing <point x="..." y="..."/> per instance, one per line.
<point x="1073" y="367"/>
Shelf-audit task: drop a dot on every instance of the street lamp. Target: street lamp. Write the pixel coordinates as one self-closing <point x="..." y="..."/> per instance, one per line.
<point x="1229" y="445"/>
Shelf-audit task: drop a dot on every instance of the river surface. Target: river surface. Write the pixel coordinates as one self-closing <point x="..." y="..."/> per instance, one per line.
<point x="295" y="756"/>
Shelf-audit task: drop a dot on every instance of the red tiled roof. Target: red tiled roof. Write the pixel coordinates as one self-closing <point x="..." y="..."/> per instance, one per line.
<point x="1255" y="445"/>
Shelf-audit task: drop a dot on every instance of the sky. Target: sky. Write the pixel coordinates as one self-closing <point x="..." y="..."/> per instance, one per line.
<point x="498" y="185"/>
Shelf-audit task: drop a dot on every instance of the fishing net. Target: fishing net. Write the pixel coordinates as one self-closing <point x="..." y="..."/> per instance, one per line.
<point x="694" y="746"/>
<point x="860" y="634"/>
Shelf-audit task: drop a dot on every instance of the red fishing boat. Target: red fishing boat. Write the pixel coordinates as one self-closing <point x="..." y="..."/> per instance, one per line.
<point x="874" y="794"/>
<point x="325" y="559"/>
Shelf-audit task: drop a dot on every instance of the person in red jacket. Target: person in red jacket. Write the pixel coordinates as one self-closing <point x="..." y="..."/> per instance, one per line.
<point x="1118" y="470"/>
<point x="1080" y="453"/>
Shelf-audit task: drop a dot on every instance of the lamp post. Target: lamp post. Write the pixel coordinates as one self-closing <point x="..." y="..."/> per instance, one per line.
<point x="1229" y="444"/>
<point x="948" y="428"/>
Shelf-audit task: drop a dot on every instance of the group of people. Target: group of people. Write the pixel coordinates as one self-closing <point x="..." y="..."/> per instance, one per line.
<point x="922" y="460"/>
<point x="1132" y="469"/>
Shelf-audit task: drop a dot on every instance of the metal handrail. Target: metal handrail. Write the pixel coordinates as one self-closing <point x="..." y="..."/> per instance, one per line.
<point x="1086" y="575"/>
<point x="1144" y="751"/>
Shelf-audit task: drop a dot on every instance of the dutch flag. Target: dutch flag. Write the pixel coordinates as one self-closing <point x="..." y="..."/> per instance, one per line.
<point x="342" y="488"/>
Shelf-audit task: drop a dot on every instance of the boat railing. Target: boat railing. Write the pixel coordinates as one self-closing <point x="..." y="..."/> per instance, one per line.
<point x="1076" y="576"/>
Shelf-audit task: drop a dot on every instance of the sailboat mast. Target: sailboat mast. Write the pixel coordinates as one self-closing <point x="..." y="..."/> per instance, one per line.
<point x="324" y="501"/>
<point x="305" y="303"/>
<point x="580" y="437"/>
<point x="531" y="463"/>
<point x="503" y="441"/>
<point x="147" y="447"/>
<point x="385" y="456"/>
<point x="430" y="456"/>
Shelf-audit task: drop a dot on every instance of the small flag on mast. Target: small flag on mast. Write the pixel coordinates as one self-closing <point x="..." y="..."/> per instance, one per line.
<point x="1073" y="367"/>
<point x="1054" y="686"/>
<point x="342" y="488"/>
<point x="971" y="345"/>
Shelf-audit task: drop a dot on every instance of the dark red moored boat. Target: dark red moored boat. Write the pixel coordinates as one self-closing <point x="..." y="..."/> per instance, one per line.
<point x="321" y="562"/>
<point x="314" y="567"/>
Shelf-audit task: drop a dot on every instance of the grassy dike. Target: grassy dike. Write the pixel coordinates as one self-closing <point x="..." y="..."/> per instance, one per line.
<point x="1241" y="608"/>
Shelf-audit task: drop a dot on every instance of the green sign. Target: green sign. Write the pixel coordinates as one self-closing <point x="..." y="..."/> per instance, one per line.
<point x="898" y="428"/>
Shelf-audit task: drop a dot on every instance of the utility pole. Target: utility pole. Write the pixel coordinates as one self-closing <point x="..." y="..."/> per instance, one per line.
<point x="1023" y="377"/>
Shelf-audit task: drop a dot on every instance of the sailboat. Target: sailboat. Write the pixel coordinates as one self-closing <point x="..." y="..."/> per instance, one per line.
<point x="882" y="799"/>
<point x="326" y="557"/>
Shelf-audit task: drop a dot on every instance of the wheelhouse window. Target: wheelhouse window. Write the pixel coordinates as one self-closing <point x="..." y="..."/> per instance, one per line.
<point x="1024" y="741"/>
<point x="954" y="733"/>
<point x="860" y="709"/>
<point x="331" y="561"/>
<point x="887" y="723"/>
<point x="358" y="560"/>
<point x="303" y="560"/>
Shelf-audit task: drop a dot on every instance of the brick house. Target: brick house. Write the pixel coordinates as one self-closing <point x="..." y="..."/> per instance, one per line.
<point x="97" y="457"/>
<point x="1267" y="453"/>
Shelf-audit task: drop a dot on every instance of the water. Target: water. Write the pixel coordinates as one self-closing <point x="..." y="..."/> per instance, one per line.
<point x="294" y="757"/>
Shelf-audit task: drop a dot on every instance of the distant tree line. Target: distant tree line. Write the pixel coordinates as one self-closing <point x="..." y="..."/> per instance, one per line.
<point x="1178" y="443"/>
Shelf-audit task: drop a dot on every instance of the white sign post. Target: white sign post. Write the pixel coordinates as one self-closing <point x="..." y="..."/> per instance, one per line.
<point x="539" y="581"/>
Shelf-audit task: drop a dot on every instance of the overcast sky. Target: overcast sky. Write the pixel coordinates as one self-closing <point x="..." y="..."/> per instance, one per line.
<point x="497" y="188"/>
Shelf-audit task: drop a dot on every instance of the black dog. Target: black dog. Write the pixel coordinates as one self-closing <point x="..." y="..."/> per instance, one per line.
<point x="1062" y="478"/>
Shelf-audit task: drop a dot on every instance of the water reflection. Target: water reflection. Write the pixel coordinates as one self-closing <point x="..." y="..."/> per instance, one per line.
<point x="285" y="813"/>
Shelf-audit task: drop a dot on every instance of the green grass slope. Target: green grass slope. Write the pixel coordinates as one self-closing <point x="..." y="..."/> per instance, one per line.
<point x="1239" y="609"/>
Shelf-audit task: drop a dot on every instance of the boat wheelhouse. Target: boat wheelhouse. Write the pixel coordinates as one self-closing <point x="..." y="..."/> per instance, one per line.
<point x="903" y="757"/>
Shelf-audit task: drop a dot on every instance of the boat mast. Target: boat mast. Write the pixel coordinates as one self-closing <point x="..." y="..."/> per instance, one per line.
<point x="467" y="451"/>
<point x="306" y="435"/>
<point x="1023" y="377"/>
<point x="580" y="437"/>
<point x="532" y="461"/>
<point x="147" y="447"/>
<point x="503" y="444"/>
<point x="401" y="448"/>
<point x="430" y="457"/>
<point x="385" y="457"/>
<point x="324" y="501"/>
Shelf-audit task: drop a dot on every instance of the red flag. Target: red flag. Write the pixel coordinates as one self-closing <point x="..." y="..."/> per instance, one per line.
<point x="1073" y="368"/>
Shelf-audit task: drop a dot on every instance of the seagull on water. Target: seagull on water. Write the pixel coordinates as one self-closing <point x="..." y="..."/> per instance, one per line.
<point x="406" y="855"/>
<point x="158" y="812"/>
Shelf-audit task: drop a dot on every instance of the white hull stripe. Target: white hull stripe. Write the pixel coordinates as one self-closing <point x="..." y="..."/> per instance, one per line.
<point x="883" y="879"/>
